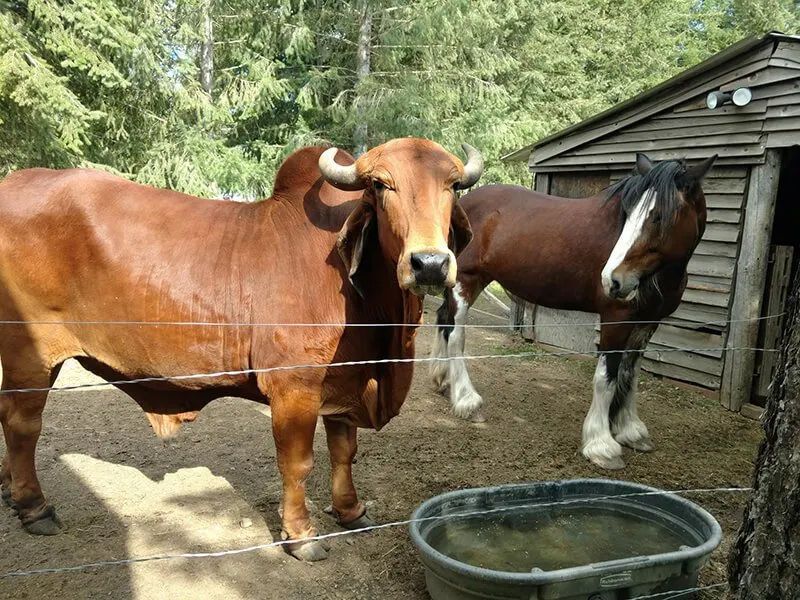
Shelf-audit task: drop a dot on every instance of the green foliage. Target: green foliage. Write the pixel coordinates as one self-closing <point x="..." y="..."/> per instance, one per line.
<point x="115" y="84"/>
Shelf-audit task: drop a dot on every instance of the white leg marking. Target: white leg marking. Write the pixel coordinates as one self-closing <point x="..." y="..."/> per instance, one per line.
<point x="465" y="400"/>
<point x="440" y="369"/>
<point x="628" y="428"/>
<point x="630" y="233"/>
<point x="598" y="444"/>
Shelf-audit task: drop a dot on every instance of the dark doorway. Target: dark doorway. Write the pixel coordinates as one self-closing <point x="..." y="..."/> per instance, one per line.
<point x="783" y="261"/>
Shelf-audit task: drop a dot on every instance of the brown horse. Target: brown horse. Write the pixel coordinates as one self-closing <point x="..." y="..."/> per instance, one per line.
<point x="621" y="254"/>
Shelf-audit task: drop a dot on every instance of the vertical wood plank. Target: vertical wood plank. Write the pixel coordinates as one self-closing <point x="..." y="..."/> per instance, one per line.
<point x="750" y="278"/>
<point x="778" y="281"/>
<point x="527" y="321"/>
<point x="515" y="315"/>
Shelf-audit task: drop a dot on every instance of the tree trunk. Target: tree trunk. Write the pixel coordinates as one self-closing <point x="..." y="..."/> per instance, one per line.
<point x="765" y="560"/>
<point x="207" y="51"/>
<point x="363" y="55"/>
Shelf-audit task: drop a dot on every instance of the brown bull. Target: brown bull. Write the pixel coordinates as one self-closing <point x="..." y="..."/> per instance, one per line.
<point x="339" y="242"/>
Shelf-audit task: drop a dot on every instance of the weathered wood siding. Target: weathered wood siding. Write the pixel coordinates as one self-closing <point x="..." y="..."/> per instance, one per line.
<point x="677" y="124"/>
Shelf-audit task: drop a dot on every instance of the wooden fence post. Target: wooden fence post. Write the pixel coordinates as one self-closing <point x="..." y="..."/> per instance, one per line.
<point x="748" y="290"/>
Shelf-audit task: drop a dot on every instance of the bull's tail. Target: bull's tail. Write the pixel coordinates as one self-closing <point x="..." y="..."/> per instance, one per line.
<point x="445" y="320"/>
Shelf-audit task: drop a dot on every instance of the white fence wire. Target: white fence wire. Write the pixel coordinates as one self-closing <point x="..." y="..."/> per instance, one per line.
<point x="372" y="528"/>
<point x="354" y="363"/>
<point x="521" y="355"/>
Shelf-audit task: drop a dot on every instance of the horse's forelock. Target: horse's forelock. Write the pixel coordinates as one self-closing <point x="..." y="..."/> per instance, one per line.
<point x="662" y="180"/>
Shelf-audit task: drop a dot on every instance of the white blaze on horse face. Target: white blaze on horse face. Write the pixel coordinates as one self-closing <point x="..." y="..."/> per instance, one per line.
<point x="631" y="231"/>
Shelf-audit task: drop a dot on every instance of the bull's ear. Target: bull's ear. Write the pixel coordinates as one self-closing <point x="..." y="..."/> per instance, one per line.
<point x="353" y="238"/>
<point x="460" y="230"/>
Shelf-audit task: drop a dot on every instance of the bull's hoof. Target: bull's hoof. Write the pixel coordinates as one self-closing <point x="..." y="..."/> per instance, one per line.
<point x="47" y="525"/>
<point x="7" y="498"/>
<point x="361" y="522"/>
<point x="311" y="551"/>
<point x="642" y="445"/>
<point x="615" y="463"/>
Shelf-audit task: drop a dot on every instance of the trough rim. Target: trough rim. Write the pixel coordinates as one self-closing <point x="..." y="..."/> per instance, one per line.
<point x="429" y="553"/>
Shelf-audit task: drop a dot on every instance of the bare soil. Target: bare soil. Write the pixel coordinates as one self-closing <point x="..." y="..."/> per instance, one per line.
<point x="123" y="493"/>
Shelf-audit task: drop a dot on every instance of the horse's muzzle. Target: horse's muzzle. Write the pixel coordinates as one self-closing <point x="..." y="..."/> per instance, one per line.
<point x="623" y="288"/>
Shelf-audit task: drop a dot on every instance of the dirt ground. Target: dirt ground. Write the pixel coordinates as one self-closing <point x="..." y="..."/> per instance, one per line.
<point x="122" y="493"/>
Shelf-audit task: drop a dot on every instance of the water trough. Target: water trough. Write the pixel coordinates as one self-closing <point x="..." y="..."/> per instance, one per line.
<point x="580" y="539"/>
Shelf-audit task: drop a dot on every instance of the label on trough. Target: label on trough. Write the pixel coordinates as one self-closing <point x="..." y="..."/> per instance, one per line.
<point x="616" y="580"/>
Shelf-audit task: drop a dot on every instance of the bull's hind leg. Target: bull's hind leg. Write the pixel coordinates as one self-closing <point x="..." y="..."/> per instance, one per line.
<point x="342" y="445"/>
<point x="21" y="417"/>
<point x="626" y="426"/>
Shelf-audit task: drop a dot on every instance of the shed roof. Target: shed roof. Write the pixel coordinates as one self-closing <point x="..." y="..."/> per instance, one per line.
<point x="731" y="54"/>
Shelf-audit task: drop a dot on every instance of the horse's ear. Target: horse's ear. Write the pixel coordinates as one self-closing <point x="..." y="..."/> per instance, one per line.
<point x="696" y="173"/>
<point x="460" y="230"/>
<point x="353" y="236"/>
<point x="643" y="164"/>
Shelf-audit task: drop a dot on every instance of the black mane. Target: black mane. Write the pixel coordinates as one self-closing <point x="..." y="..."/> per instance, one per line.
<point x="662" y="180"/>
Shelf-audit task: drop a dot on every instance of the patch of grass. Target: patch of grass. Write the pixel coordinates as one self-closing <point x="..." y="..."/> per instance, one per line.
<point x="496" y="289"/>
<point x="524" y="348"/>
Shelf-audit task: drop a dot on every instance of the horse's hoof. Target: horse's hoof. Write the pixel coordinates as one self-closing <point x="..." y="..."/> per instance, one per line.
<point x="615" y="463"/>
<point x="642" y="445"/>
<point x="467" y="405"/>
<point x="7" y="498"/>
<point x="478" y="417"/>
<point x="50" y="525"/>
<point x="360" y="523"/>
<point x="311" y="551"/>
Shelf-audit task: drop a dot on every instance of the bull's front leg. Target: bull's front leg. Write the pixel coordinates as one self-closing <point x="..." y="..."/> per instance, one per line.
<point x="342" y="446"/>
<point x="293" y="422"/>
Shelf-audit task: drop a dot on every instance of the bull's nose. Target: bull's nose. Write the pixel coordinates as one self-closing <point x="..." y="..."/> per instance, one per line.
<point x="430" y="268"/>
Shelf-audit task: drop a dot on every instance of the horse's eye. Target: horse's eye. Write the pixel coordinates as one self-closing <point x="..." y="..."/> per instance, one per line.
<point x="656" y="218"/>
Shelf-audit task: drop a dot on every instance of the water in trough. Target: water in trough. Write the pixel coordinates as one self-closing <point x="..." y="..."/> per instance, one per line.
<point x="519" y="541"/>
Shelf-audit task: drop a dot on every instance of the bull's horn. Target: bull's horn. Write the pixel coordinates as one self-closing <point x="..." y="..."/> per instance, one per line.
<point x="336" y="174"/>
<point x="474" y="167"/>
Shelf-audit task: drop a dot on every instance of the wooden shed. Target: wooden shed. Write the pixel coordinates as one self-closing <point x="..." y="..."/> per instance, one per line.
<point x="739" y="274"/>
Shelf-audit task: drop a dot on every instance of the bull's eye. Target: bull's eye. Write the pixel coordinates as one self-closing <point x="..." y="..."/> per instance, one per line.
<point x="379" y="186"/>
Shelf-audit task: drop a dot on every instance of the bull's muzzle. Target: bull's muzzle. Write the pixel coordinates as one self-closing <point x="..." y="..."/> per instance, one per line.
<point x="430" y="268"/>
<point x="427" y="270"/>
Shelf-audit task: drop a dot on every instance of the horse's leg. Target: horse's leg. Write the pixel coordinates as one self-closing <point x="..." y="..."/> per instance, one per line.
<point x="21" y="417"/>
<point x="599" y="446"/>
<point x="626" y="426"/>
<point x="440" y="365"/>
<point x="294" y="418"/>
<point x="465" y="400"/>
<point x="342" y="445"/>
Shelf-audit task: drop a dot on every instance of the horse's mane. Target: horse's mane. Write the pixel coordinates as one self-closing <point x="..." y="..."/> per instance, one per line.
<point x="662" y="180"/>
